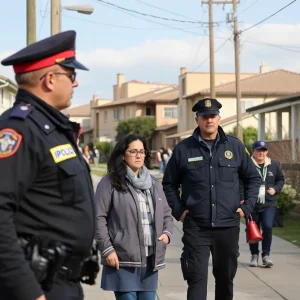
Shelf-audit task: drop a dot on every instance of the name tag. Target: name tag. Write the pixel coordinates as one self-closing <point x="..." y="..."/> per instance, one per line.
<point x="195" y="158"/>
<point x="62" y="152"/>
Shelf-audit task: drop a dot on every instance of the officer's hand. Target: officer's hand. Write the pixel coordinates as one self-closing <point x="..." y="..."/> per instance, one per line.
<point x="271" y="191"/>
<point x="41" y="298"/>
<point x="240" y="212"/>
<point x="164" y="238"/>
<point x="113" y="260"/>
<point x="183" y="215"/>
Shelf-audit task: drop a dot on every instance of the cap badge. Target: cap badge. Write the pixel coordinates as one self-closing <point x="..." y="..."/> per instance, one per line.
<point x="262" y="143"/>
<point x="207" y="103"/>
<point x="58" y="60"/>
<point x="228" y="154"/>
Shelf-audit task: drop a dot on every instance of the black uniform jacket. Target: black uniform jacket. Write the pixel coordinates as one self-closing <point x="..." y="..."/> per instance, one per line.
<point x="274" y="179"/>
<point x="210" y="181"/>
<point x="45" y="188"/>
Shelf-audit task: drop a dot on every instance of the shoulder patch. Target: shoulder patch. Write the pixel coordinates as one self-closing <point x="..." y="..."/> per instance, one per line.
<point x="21" y="111"/>
<point x="10" y="142"/>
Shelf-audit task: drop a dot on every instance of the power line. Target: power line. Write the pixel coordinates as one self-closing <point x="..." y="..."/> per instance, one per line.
<point x="278" y="11"/>
<point x="163" y="9"/>
<point x="43" y="18"/>
<point x="204" y="61"/>
<point x="153" y="16"/>
<point x="249" y="6"/>
<point x="128" y="27"/>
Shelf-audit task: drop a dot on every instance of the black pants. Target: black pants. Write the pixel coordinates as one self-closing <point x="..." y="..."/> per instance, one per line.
<point x="198" y="243"/>
<point x="265" y="220"/>
<point x="62" y="290"/>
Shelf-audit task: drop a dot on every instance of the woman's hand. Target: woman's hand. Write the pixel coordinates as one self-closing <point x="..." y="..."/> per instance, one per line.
<point x="113" y="260"/>
<point x="164" y="238"/>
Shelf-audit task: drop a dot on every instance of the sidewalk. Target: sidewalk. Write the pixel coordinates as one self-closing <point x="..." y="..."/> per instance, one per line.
<point x="280" y="282"/>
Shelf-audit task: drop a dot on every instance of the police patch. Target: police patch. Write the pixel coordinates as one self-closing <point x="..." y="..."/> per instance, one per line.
<point x="62" y="152"/>
<point x="10" y="142"/>
<point x="228" y="154"/>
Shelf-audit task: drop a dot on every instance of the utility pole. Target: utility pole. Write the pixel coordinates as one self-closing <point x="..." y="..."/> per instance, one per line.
<point x="237" y="71"/>
<point x="55" y="16"/>
<point x="237" y="59"/>
<point x="31" y="22"/>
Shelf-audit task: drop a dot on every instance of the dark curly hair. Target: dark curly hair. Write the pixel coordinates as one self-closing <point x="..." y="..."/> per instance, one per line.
<point x="116" y="166"/>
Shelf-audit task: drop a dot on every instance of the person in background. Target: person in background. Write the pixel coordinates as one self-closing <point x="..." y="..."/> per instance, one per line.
<point x="96" y="156"/>
<point x="207" y="167"/>
<point x="265" y="208"/>
<point x="86" y="154"/>
<point x="134" y="222"/>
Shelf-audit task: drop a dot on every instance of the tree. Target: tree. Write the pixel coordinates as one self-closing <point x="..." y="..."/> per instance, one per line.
<point x="144" y="126"/>
<point x="249" y="136"/>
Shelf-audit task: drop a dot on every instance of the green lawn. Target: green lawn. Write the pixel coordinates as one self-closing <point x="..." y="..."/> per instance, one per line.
<point x="291" y="230"/>
<point x="98" y="173"/>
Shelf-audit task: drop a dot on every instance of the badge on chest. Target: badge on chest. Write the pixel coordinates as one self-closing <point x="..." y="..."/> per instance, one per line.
<point x="62" y="152"/>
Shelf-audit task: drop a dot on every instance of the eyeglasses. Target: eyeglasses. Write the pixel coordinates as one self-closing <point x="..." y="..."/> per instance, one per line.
<point x="71" y="76"/>
<point x="135" y="152"/>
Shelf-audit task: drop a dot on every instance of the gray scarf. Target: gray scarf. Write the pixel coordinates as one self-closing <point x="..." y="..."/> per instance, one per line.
<point x="142" y="185"/>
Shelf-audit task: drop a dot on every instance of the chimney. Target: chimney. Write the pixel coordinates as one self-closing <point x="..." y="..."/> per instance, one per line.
<point x="95" y="98"/>
<point x="263" y="69"/>
<point x="182" y="70"/>
<point x="120" y="79"/>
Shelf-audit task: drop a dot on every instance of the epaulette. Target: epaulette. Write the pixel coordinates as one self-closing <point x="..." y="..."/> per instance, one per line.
<point x="21" y="111"/>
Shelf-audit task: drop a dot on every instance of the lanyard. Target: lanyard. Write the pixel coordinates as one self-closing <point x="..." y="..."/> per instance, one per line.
<point x="262" y="174"/>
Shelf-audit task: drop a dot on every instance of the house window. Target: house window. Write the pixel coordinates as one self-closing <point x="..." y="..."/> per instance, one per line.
<point x="128" y="112"/>
<point x="246" y="104"/>
<point x="170" y="112"/>
<point x="97" y="124"/>
<point x="148" y="111"/>
<point x="117" y="114"/>
<point x="105" y="116"/>
<point x="183" y="87"/>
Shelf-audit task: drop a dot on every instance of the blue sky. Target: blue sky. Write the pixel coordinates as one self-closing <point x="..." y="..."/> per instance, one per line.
<point x="151" y="52"/>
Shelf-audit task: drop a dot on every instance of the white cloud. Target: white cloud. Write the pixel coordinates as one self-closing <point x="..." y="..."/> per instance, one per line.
<point x="160" y="60"/>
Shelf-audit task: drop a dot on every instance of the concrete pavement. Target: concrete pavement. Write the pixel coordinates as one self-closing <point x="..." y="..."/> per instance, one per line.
<point x="280" y="282"/>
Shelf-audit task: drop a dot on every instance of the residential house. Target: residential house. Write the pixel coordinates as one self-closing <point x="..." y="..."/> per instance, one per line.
<point x="190" y="86"/>
<point x="134" y="99"/>
<point x="8" y="90"/>
<point x="82" y="114"/>
<point x="255" y="90"/>
<point x="286" y="148"/>
<point x="160" y="104"/>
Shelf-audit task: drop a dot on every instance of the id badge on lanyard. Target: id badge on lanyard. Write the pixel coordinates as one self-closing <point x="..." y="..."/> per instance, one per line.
<point x="262" y="189"/>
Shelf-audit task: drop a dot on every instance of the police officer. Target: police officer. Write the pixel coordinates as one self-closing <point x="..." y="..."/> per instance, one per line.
<point x="46" y="194"/>
<point x="208" y="166"/>
<point x="265" y="208"/>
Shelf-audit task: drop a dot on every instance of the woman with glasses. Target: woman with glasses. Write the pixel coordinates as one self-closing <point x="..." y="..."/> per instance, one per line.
<point x="134" y="222"/>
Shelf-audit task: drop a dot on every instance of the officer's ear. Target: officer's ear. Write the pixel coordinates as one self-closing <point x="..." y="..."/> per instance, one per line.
<point x="49" y="80"/>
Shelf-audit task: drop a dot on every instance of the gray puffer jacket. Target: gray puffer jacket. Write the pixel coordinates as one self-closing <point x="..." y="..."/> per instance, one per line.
<point x="119" y="226"/>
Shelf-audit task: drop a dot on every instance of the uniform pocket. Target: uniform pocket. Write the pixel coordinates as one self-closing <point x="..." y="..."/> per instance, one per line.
<point x="71" y="185"/>
<point x="228" y="171"/>
<point x="196" y="171"/>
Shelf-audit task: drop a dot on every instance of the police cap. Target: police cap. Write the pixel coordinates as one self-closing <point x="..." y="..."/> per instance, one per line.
<point x="57" y="49"/>
<point x="207" y="106"/>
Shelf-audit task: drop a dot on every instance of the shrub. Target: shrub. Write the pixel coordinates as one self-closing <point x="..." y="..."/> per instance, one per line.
<point x="286" y="198"/>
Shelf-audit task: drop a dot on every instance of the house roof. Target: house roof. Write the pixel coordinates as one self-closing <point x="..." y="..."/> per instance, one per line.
<point x="162" y="95"/>
<point x="166" y="127"/>
<point x="78" y="111"/>
<point x="12" y="83"/>
<point x="223" y="122"/>
<point x="283" y="101"/>
<point x="275" y="83"/>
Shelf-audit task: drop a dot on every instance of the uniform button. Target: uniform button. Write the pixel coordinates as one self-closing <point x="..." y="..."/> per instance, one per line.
<point x="213" y="204"/>
<point x="211" y="167"/>
<point x="24" y="108"/>
<point x="212" y="186"/>
<point x="213" y="224"/>
<point x="47" y="127"/>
